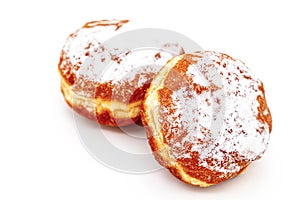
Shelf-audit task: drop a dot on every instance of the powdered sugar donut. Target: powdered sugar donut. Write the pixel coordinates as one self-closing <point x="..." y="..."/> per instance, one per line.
<point x="107" y="83"/>
<point x="206" y="117"/>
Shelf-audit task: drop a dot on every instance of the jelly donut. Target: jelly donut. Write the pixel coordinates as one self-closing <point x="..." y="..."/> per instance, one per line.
<point x="206" y="117"/>
<point x="107" y="83"/>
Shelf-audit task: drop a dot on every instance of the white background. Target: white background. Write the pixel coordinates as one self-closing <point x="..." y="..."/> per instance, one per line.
<point x="41" y="156"/>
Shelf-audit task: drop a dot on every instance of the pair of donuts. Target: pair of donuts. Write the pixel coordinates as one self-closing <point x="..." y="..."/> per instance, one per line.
<point x="205" y="113"/>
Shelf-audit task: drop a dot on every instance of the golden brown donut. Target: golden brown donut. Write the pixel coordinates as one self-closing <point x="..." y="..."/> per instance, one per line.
<point x="206" y="117"/>
<point x="111" y="96"/>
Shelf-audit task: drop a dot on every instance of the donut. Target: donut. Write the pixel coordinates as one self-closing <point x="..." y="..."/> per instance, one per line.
<point x="206" y="117"/>
<point x="107" y="83"/>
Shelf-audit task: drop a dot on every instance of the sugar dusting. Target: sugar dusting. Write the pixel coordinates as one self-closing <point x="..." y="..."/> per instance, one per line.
<point x="221" y="123"/>
<point x="88" y="60"/>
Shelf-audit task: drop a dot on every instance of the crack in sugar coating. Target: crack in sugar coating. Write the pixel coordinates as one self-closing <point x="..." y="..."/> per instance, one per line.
<point x="219" y="129"/>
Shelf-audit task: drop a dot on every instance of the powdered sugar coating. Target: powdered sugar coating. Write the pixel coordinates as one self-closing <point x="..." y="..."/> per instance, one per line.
<point x="87" y="60"/>
<point x="220" y="122"/>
